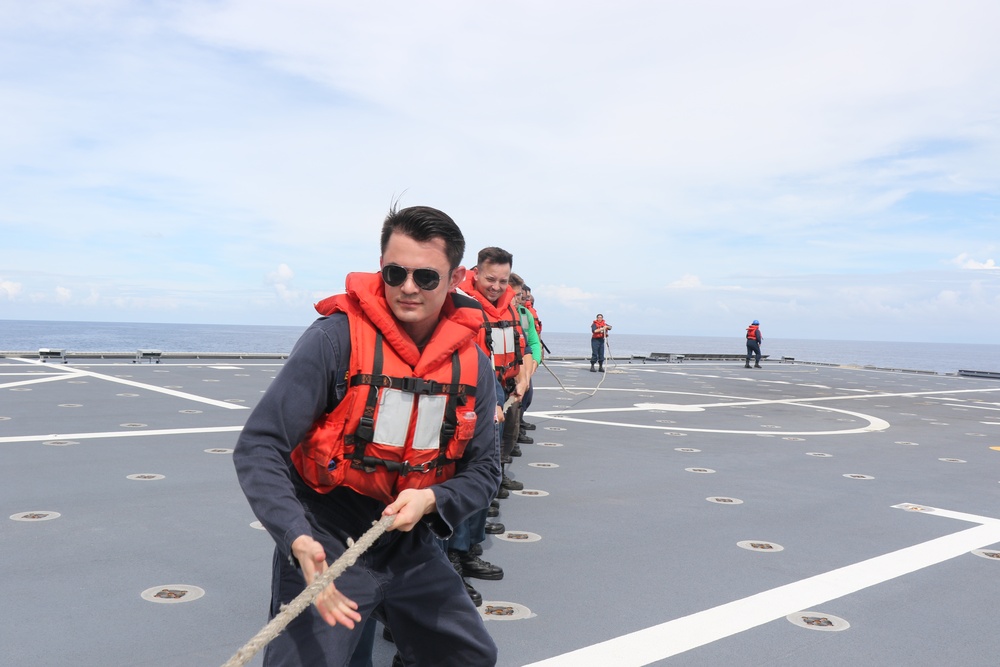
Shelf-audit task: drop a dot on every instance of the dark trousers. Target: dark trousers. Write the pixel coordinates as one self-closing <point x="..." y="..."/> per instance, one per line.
<point x="511" y="428"/>
<point x="469" y="531"/>
<point x="597" y="350"/>
<point x="753" y="348"/>
<point x="362" y="656"/>
<point x="420" y="597"/>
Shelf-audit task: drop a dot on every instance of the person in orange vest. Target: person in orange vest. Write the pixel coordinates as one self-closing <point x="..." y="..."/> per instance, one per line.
<point x="385" y="407"/>
<point x="500" y="335"/>
<point x="754" y="339"/>
<point x="528" y="300"/>
<point x="531" y="352"/>
<point x="598" y="332"/>
<point x="529" y="303"/>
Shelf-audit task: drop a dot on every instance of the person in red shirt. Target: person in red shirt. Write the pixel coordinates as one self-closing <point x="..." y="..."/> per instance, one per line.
<point x="754" y="339"/>
<point x="598" y="333"/>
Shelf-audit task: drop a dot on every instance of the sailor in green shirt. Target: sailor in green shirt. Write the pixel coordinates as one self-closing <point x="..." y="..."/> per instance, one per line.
<point x="533" y="345"/>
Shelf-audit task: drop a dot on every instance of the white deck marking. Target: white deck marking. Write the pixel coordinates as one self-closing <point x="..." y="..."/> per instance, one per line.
<point x="70" y="372"/>
<point x="874" y="423"/>
<point x="683" y="634"/>
<point x="120" y="434"/>
<point x="974" y="407"/>
<point x="36" y="380"/>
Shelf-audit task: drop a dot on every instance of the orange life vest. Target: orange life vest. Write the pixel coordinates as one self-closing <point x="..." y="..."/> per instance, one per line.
<point x="501" y="325"/>
<point x="752" y="332"/>
<point x="598" y="323"/>
<point x="407" y="414"/>
<point x="538" y="322"/>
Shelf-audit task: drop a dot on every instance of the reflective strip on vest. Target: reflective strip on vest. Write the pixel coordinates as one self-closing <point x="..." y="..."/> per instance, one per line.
<point x="395" y="410"/>
<point x="503" y="344"/>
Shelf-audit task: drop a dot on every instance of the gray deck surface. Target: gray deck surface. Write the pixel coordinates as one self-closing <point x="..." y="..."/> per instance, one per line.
<point x="632" y="552"/>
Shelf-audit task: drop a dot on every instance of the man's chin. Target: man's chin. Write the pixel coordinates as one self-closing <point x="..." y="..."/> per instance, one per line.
<point x="408" y="314"/>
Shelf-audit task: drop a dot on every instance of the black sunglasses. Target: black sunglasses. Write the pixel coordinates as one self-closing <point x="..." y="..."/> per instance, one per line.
<point x="394" y="275"/>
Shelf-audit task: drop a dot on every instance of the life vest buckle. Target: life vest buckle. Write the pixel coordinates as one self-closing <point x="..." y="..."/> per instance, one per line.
<point x="412" y="385"/>
<point x="366" y="429"/>
<point x="416" y="385"/>
<point x="406" y="468"/>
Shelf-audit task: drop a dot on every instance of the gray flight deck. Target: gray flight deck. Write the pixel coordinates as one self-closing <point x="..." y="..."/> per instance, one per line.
<point x="696" y="513"/>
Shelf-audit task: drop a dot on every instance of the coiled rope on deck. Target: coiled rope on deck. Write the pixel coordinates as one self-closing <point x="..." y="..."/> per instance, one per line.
<point x="309" y="594"/>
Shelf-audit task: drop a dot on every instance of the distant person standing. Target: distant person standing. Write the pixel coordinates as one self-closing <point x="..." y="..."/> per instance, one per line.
<point x="598" y="333"/>
<point x="754" y="340"/>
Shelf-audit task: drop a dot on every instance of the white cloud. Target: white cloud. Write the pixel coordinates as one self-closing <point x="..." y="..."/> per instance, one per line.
<point x="692" y="283"/>
<point x="282" y="275"/>
<point x="63" y="295"/>
<point x="572" y="297"/>
<point x="9" y="289"/>
<point x="767" y="159"/>
<point x="966" y="262"/>
<point x="687" y="281"/>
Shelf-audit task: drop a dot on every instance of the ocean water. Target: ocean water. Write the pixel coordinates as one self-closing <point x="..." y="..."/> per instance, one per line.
<point x="30" y="335"/>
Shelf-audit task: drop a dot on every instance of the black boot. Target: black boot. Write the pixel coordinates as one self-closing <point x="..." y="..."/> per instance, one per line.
<point x="600" y="368"/>
<point x="527" y="426"/>
<point x="748" y="364"/>
<point x="510" y="484"/>
<point x="592" y="369"/>
<point x="494" y="528"/>
<point x="756" y="364"/>
<point x="477" y="598"/>
<point x="522" y="437"/>
<point x="474" y="566"/>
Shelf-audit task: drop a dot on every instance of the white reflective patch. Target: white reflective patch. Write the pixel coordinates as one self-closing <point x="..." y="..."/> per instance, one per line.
<point x="393" y="418"/>
<point x="503" y="340"/>
<point x="430" y="415"/>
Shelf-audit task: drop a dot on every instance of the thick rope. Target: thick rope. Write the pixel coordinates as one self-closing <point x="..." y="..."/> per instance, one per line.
<point x="593" y="392"/>
<point x="306" y="597"/>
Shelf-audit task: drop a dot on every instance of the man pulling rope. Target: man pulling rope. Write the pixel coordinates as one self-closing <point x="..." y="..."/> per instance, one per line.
<point x="306" y="597"/>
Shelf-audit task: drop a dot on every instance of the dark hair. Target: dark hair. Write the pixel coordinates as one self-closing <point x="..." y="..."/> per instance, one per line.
<point x="516" y="280"/>
<point x="494" y="255"/>
<point x="423" y="223"/>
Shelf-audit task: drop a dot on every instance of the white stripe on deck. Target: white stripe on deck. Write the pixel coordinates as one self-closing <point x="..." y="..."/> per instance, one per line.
<point x="70" y="372"/>
<point x="120" y="434"/>
<point x="683" y="634"/>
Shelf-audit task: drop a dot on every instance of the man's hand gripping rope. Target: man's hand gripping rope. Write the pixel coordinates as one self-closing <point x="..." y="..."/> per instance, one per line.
<point x="309" y="594"/>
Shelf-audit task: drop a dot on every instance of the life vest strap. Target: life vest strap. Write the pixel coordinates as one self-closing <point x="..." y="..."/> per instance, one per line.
<point x="413" y="385"/>
<point x="402" y="468"/>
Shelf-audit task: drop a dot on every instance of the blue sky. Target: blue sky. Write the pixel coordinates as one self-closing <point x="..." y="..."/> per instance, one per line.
<point x="832" y="170"/>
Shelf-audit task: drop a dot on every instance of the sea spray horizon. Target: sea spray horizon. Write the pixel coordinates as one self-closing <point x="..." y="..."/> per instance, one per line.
<point x="30" y="335"/>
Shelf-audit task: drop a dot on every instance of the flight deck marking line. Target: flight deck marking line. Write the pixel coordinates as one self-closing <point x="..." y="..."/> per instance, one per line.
<point x="120" y="434"/>
<point x="874" y="423"/>
<point x="974" y="407"/>
<point x="37" y="380"/>
<point x="644" y="647"/>
<point x="77" y="372"/>
<point x="807" y="399"/>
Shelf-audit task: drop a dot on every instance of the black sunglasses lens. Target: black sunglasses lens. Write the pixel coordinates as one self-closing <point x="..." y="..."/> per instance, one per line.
<point x="426" y="279"/>
<point x="394" y="275"/>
